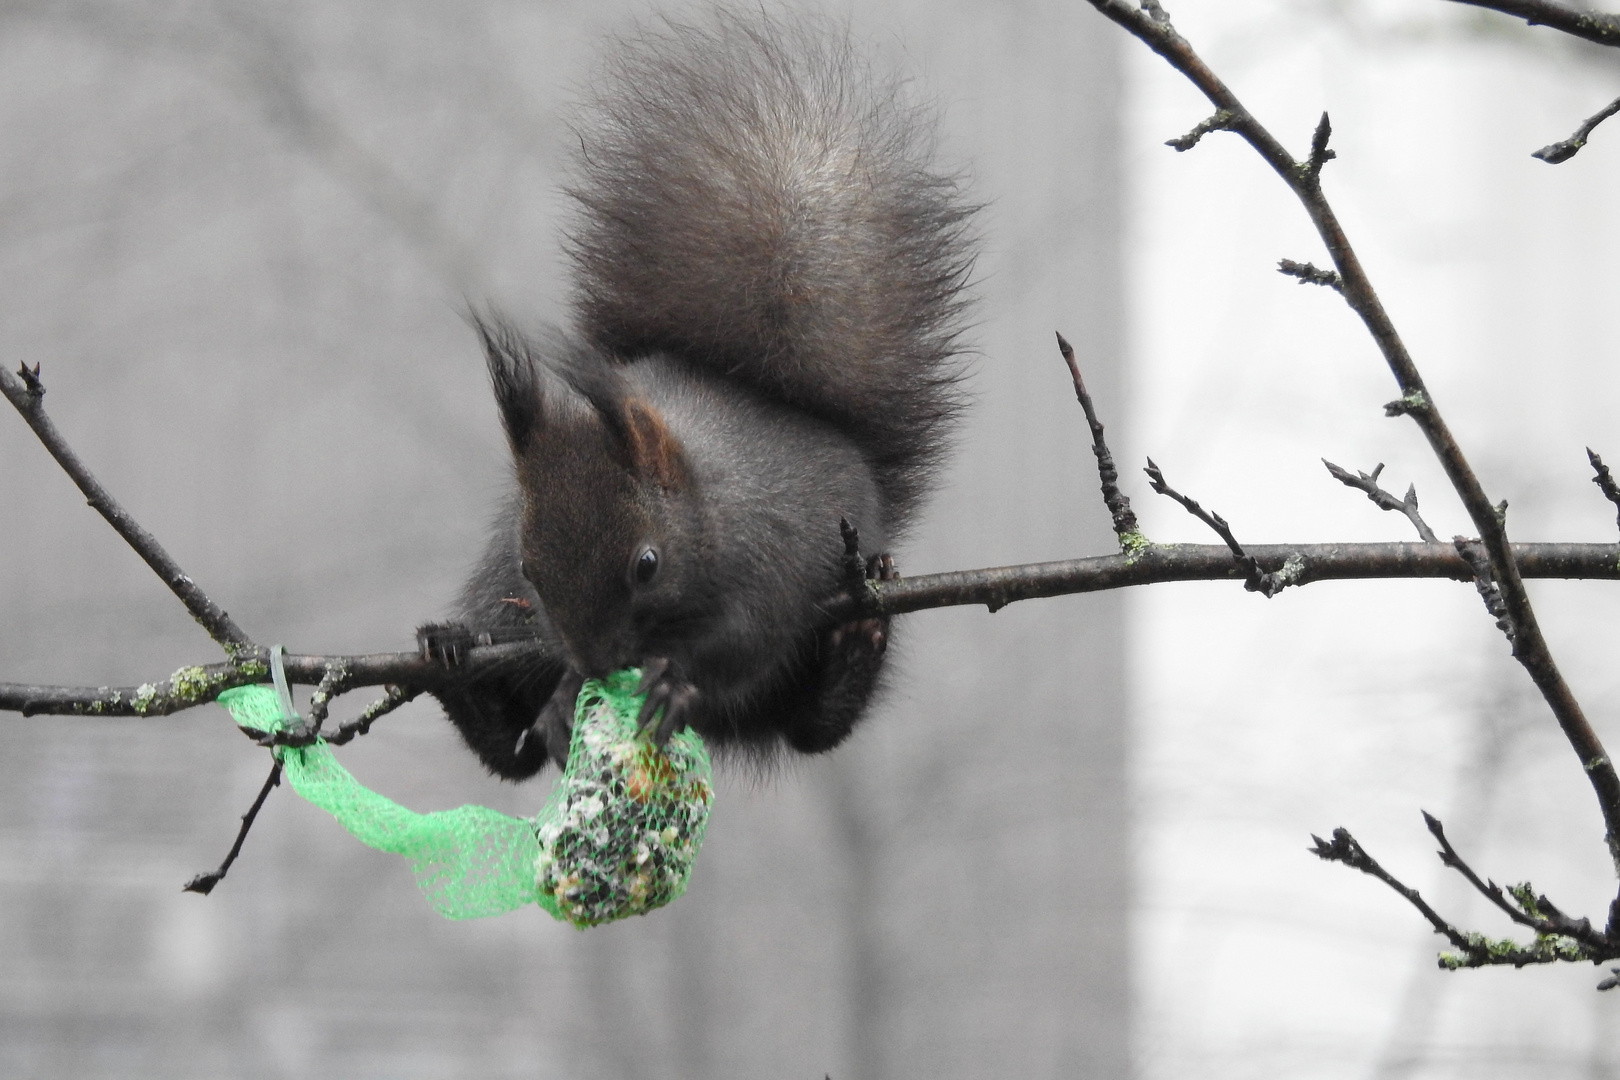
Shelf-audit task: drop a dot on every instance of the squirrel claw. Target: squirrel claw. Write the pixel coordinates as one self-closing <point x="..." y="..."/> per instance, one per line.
<point x="555" y="724"/>
<point x="444" y="643"/>
<point x="871" y="632"/>
<point x="669" y="700"/>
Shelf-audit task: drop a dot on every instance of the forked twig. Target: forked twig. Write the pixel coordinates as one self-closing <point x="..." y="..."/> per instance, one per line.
<point x="1368" y="483"/>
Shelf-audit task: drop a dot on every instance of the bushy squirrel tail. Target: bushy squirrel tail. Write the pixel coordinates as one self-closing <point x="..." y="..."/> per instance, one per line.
<point x="753" y="198"/>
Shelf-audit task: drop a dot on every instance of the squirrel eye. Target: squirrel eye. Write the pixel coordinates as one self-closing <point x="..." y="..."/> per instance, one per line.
<point x="646" y="565"/>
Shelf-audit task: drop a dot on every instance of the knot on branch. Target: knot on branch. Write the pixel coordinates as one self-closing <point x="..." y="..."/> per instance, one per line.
<point x="1311" y="171"/>
<point x="1473" y="553"/>
<point x="1414" y="403"/>
<point x="1605" y="482"/>
<point x="1343" y="848"/>
<point x="30" y="378"/>
<point x="1221" y="121"/>
<point x="1309" y="274"/>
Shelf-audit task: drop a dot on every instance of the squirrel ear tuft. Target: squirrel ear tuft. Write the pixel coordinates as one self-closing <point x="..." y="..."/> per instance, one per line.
<point x="512" y="374"/>
<point x="654" y="451"/>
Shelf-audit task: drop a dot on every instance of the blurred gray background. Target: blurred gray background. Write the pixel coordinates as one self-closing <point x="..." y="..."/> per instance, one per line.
<point x="238" y="237"/>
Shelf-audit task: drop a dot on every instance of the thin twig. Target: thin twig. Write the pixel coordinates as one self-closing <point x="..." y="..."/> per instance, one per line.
<point x="1345" y="849"/>
<point x="204" y="883"/>
<point x="1530" y="648"/>
<point x="1598" y="26"/>
<point x="1368" y="482"/>
<point x="1605" y="482"/>
<point x="1256" y="578"/>
<point x="26" y="393"/>
<point x="1562" y="151"/>
<point x="1119" y="506"/>
<point x="1220" y="121"/>
<point x="393" y="697"/>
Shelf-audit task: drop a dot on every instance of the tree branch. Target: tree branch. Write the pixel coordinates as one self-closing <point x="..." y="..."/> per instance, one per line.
<point x="26" y="393"/>
<point x="204" y="883"/>
<point x="1597" y="26"/>
<point x="1554" y="942"/>
<point x="407" y="674"/>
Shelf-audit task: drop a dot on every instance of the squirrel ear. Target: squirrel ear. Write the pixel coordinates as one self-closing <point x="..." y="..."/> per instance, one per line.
<point x="512" y="374"/>
<point x="654" y="451"/>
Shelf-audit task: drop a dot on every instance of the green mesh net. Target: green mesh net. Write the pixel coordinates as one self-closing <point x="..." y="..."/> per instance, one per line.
<point x="617" y="836"/>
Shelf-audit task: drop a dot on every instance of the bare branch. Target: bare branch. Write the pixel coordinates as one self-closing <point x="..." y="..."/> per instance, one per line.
<point x="1560" y="152"/>
<point x="1368" y="482"/>
<point x="1119" y="506"/>
<point x="1597" y="26"/>
<point x="204" y="883"/>
<point x="1345" y="849"/>
<point x="1474" y="950"/>
<point x="26" y="394"/>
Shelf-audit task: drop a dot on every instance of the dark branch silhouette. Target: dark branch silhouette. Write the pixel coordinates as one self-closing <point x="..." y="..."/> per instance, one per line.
<point x="1596" y="26"/>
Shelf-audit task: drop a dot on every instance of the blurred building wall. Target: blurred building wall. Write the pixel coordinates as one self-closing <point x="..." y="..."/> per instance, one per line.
<point x="238" y="238"/>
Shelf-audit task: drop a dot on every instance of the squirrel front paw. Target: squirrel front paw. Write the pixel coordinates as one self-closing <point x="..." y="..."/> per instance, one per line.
<point x="555" y="724"/>
<point x="668" y="705"/>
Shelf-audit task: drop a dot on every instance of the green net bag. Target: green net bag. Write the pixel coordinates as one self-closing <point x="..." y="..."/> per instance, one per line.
<point x="617" y="837"/>
<point x="621" y="829"/>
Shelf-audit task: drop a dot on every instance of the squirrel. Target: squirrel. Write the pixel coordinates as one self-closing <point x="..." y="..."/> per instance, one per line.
<point x="761" y="376"/>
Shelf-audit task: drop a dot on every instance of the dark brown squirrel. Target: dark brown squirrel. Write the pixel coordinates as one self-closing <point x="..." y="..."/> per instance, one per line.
<point x="761" y="377"/>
